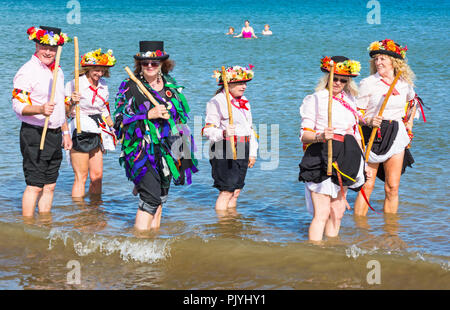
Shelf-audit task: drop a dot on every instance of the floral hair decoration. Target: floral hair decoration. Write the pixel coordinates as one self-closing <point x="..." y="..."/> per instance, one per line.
<point x="235" y="74"/>
<point x="47" y="37"/>
<point x="343" y="66"/>
<point x="388" y="47"/>
<point x="97" y="58"/>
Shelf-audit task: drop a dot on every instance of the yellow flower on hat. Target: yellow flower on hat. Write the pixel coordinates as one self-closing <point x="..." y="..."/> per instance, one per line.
<point x="374" y="46"/>
<point x="45" y="39"/>
<point x="355" y="66"/>
<point x="391" y="46"/>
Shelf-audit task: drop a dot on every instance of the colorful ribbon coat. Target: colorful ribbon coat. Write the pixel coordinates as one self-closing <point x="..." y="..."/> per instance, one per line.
<point x="167" y="146"/>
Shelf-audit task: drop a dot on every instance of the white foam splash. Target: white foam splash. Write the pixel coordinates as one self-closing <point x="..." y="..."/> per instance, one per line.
<point x="354" y="252"/>
<point x="143" y="251"/>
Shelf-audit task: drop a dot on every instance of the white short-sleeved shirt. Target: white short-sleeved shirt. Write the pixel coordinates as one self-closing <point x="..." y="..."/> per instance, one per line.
<point x="314" y="114"/>
<point x="217" y="120"/>
<point x="371" y="96"/>
<point x="87" y="93"/>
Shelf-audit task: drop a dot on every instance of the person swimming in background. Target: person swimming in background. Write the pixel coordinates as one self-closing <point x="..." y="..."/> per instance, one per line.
<point x="230" y="31"/>
<point x="247" y="32"/>
<point x="267" y="31"/>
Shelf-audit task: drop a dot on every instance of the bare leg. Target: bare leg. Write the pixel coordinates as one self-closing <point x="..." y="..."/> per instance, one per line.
<point x="46" y="199"/>
<point x="322" y="208"/>
<point x="361" y="206"/>
<point x="337" y="212"/>
<point x="223" y="200"/>
<point x="80" y="165"/>
<point x="29" y="199"/>
<point x="233" y="201"/>
<point x="393" y="172"/>
<point x="96" y="171"/>
<point x="146" y="221"/>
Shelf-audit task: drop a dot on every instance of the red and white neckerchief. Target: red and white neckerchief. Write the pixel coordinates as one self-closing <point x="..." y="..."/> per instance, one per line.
<point x="348" y="107"/>
<point x="95" y="90"/>
<point x="394" y="91"/>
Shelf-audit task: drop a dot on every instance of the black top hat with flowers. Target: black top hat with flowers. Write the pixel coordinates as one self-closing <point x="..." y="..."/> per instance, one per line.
<point x="343" y="66"/>
<point x="47" y="35"/>
<point x="387" y="47"/>
<point x="151" y="50"/>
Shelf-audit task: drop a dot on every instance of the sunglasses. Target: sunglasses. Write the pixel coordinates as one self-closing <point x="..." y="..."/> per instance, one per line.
<point x="150" y="63"/>
<point x="343" y="81"/>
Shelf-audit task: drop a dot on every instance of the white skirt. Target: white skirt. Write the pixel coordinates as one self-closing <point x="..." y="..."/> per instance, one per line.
<point x="400" y="143"/>
<point x="327" y="187"/>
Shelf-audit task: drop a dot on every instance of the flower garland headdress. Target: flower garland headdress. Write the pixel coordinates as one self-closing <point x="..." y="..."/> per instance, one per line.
<point x="97" y="58"/>
<point x="388" y="47"/>
<point x="235" y="74"/>
<point x="50" y="36"/>
<point x="343" y="65"/>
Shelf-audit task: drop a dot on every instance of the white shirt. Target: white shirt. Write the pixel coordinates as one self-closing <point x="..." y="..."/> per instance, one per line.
<point x="36" y="79"/>
<point x="218" y="120"/>
<point x="87" y="107"/>
<point x="314" y="114"/>
<point x="371" y="97"/>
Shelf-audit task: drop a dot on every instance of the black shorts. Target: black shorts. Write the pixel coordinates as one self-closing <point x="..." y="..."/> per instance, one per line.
<point x="85" y="141"/>
<point x="152" y="192"/>
<point x="228" y="174"/>
<point x="40" y="167"/>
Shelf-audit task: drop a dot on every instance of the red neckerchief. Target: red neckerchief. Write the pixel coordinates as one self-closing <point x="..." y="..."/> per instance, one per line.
<point x="394" y="91"/>
<point x="95" y="90"/>
<point x="241" y="102"/>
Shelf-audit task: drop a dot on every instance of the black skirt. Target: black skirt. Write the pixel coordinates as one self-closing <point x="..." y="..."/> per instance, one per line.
<point x="383" y="142"/>
<point x="347" y="154"/>
<point x="228" y="174"/>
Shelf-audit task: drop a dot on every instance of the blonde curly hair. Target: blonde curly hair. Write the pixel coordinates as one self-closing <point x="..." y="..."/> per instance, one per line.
<point x="398" y="64"/>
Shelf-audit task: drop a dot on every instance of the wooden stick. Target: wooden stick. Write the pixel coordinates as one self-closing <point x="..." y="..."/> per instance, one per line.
<point x="330" y="123"/>
<point x="380" y="113"/>
<point x="230" y="110"/>
<point x="52" y="94"/>
<point x="142" y="87"/>
<point x="77" y="83"/>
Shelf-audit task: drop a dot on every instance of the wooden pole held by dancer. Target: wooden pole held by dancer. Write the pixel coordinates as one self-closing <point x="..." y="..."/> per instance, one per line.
<point x="330" y="123"/>
<point x="230" y="110"/>
<point x="52" y="94"/>
<point x="380" y="113"/>
<point x="77" y="83"/>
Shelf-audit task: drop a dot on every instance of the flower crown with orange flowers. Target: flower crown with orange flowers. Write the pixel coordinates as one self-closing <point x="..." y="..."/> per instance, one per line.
<point x="343" y="65"/>
<point x="46" y="37"/>
<point x="97" y="58"/>
<point x="387" y="47"/>
<point x="235" y="74"/>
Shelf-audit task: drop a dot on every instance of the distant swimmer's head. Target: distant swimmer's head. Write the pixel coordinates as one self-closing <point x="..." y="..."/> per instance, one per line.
<point x="266" y="27"/>
<point x="230" y="30"/>
<point x="247" y="23"/>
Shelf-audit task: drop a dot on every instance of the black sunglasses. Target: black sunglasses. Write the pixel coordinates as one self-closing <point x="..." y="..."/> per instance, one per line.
<point x="343" y="81"/>
<point x="151" y="63"/>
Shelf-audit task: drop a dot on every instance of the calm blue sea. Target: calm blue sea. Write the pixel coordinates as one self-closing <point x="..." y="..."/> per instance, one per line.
<point x="194" y="247"/>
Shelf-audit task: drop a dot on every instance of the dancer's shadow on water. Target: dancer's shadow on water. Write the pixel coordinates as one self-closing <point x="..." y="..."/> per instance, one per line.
<point x="389" y="239"/>
<point x="91" y="216"/>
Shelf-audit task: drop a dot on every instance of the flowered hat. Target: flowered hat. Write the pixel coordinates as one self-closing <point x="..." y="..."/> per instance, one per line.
<point x="342" y="66"/>
<point x="387" y="47"/>
<point x="235" y="74"/>
<point x="47" y="35"/>
<point x="151" y="50"/>
<point x="97" y="58"/>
